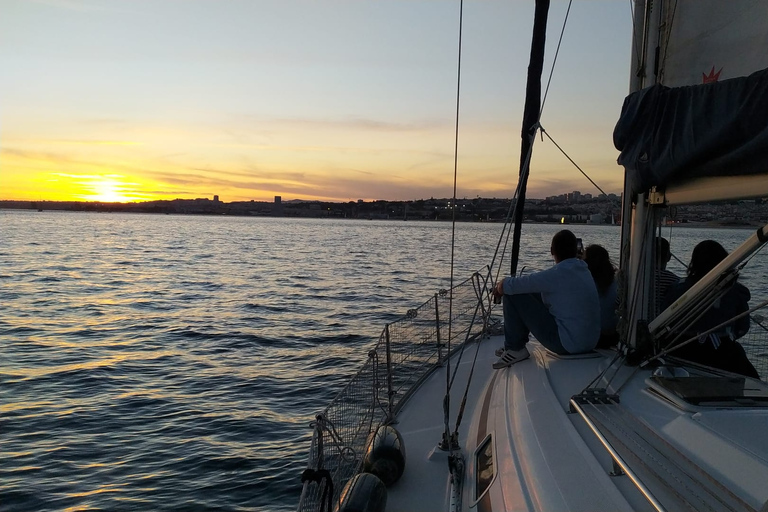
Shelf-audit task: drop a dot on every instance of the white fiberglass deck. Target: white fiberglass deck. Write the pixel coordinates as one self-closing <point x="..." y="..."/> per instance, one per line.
<point x="547" y="458"/>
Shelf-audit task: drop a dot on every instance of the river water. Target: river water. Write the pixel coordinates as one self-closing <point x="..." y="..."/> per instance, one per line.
<point x="162" y="362"/>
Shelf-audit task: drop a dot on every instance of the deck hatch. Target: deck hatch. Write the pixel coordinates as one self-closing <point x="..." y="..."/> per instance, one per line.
<point x="715" y="391"/>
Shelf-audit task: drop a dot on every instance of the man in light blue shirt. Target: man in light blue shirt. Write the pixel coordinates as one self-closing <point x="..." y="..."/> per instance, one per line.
<point x="560" y="306"/>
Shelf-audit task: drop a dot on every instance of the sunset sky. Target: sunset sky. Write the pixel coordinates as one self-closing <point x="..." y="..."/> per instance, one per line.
<point x="336" y="100"/>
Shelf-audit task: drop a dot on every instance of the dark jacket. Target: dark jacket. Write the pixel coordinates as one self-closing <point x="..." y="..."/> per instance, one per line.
<point x="719" y="349"/>
<point x="734" y="302"/>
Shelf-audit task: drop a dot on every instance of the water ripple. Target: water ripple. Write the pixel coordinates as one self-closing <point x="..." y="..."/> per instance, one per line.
<point x="175" y="362"/>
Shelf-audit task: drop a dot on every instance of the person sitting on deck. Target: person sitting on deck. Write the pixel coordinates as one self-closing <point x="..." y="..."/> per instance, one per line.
<point x="720" y="348"/>
<point x="663" y="277"/>
<point x="559" y="306"/>
<point x="603" y="272"/>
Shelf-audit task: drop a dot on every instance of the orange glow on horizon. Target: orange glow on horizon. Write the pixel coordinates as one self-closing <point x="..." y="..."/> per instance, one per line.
<point x="182" y="165"/>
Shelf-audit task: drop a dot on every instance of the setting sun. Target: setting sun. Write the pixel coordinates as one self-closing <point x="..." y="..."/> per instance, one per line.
<point x="96" y="114"/>
<point x="106" y="189"/>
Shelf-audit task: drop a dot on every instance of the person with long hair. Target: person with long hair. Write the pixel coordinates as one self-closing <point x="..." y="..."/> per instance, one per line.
<point x="604" y="273"/>
<point x="718" y="349"/>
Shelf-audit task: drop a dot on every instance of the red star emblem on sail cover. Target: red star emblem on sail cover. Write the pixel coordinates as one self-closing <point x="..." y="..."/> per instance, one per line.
<point x="711" y="77"/>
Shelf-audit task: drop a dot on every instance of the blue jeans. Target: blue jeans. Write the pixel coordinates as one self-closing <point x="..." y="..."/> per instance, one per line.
<point x="524" y="314"/>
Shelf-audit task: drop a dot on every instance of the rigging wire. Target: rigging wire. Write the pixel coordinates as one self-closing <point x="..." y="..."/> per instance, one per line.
<point x="509" y="219"/>
<point x="512" y="212"/>
<point x="696" y="312"/>
<point x="554" y="61"/>
<point x="544" y="132"/>
<point x="759" y="322"/>
<point x="744" y="264"/>
<point x="678" y="259"/>
<point x="446" y="401"/>
<point x="706" y="333"/>
<point x="635" y="44"/>
<point x="478" y="288"/>
<point x="699" y="308"/>
<point x="662" y="65"/>
<point x="684" y="264"/>
<point x="455" y="167"/>
<point x="669" y="213"/>
<point x="631" y="307"/>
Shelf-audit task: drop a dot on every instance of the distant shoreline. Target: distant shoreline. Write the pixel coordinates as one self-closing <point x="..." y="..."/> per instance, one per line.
<point x="693" y="224"/>
<point x="603" y="210"/>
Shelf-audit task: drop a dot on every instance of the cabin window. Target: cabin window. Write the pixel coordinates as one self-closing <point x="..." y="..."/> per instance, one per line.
<point x="484" y="465"/>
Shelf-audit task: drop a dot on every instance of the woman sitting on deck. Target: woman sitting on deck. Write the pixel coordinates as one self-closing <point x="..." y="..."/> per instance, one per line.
<point x="720" y="348"/>
<point x="603" y="272"/>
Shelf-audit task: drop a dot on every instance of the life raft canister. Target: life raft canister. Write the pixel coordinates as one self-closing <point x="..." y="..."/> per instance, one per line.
<point x="363" y="493"/>
<point x="385" y="457"/>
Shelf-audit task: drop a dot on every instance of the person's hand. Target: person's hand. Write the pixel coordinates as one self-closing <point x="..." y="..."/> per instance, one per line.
<point x="498" y="292"/>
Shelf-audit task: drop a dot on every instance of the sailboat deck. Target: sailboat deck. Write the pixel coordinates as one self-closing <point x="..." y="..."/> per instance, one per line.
<point x="563" y="466"/>
<point x="672" y="480"/>
<point x="424" y="485"/>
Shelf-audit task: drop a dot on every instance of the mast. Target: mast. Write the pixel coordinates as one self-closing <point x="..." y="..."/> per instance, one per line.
<point x="531" y="115"/>
<point x="637" y="254"/>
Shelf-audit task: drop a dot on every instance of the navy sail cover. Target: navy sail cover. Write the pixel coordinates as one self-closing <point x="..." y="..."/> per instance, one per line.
<point x="672" y="135"/>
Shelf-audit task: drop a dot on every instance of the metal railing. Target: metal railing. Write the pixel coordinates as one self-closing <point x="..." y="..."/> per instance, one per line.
<point x="408" y="350"/>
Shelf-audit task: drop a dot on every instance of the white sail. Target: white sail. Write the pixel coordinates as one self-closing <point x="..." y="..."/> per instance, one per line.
<point x="711" y="40"/>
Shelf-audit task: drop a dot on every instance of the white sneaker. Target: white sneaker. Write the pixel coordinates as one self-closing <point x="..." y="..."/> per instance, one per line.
<point x="510" y="357"/>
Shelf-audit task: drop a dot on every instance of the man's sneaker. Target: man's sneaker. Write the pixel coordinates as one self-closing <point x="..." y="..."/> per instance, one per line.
<point x="510" y="357"/>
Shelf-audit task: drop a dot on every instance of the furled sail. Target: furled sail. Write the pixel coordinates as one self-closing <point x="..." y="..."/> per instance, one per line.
<point x="705" y="41"/>
<point x="676" y="134"/>
<point x="707" y="115"/>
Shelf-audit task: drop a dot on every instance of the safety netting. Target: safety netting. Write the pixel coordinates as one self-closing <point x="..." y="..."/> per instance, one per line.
<point x="407" y="351"/>
<point x="755" y="342"/>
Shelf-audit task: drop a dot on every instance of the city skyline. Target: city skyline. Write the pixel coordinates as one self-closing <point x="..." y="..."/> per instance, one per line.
<point x="331" y="101"/>
<point x="569" y="208"/>
<point x="573" y="196"/>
